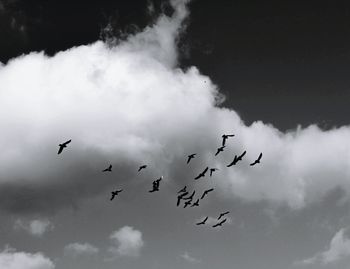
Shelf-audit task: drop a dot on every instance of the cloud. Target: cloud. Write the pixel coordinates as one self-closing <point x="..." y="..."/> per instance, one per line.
<point x="11" y="259"/>
<point x="339" y="248"/>
<point x="34" y="227"/>
<point x="78" y="249"/>
<point x="187" y="257"/>
<point x="128" y="242"/>
<point x="130" y="104"/>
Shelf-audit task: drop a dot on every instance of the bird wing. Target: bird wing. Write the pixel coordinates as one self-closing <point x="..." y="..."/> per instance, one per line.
<point x="178" y="201"/>
<point x="60" y="149"/>
<point x="230" y="164"/>
<point x="67" y="142"/>
<point x="260" y="155"/>
<point x="243" y="154"/>
<point x="205" y="170"/>
<point x="222" y="222"/>
<point x="197" y="177"/>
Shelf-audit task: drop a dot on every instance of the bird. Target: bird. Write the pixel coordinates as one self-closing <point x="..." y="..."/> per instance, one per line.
<point x="202" y="174"/>
<point x="223" y="214"/>
<point x="156" y="185"/>
<point x="220" y="223"/>
<point x="206" y="192"/>
<point x="225" y="137"/>
<point x="115" y="193"/>
<point x="190" y="197"/>
<point x="109" y="169"/>
<point x="180" y="197"/>
<point x="219" y="150"/>
<point x="182" y="190"/>
<point x="257" y="160"/>
<point x="237" y="159"/>
<point x="142" y="167"/>
<point x="191" y="156"/>
<point x="196" y="203"/>
<point x="202" y="222"/>
<point x="187" y="203"/>
<point x="63" y="145"/>
<point x="212" y="170"/>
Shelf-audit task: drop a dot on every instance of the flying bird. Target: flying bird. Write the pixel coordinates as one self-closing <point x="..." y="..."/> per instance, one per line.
<point x="156" y="185"/>
<point x="109" y="169"/>
<point x="237" y="159"/>
<point x="202" y="222"/>
<point x="191" y="156"/>
<point x="180" y="197"/>
<point x="212" y="170"/>
<point x="223" y="214"/>
<point x="115" y="193"/>
<point x="257" y="160"/>
<point x="63" y="145"/>
<point x="220" y="223"/>
<point x="142" y="167"/>
<point x="221" y="149"/>
<point x="187" y="203"/>
<point x="206" y="192"/>
<point x="225" y="137"/>
<point x="182" y="190"/>
<point x="202" y="174"/>
<point x="196" y="203"/>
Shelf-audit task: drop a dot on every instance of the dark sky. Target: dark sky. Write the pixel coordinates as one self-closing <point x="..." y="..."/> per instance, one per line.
<point x="285" y="63"/>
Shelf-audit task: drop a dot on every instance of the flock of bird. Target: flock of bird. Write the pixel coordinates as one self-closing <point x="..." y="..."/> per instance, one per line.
<point x="183" y="194"/>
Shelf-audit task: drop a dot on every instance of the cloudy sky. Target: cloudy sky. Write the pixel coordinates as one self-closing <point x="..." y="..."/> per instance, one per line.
<point x="151" y="82"/>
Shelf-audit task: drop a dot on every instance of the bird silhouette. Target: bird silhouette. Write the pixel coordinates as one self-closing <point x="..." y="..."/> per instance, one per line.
<point x="182" y="190"/>
<point x="257" y="160"/>
<point x="191" y="156"/>
<point x="221" y="149"/>
<point x="156" y="184"/>
<point x="109" y="169"/>
<point x="212" y="170"/>
<point x="202" y="222"/>
<point x="115" y="193"/>
<point x="179" y="197"/>
<point x="223" y="214"/>
<point x="225" y="137"/>
<point x="187" y="203"/>
<point x="190" y="197"/>
<point x="220" y="223"/>
<point x="237" y="159"/>
<point x="196" y="203"/>
<point x="206" y="192"/>
<point x="63" y="145"/>
<point x="202" y="174"/>
<point x="142" y="167"/>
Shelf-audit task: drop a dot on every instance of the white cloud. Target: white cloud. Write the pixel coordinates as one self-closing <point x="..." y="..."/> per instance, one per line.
<point x="187" y="257"/>
<point x="11" y="259"/>
<point x="130" y="104"/>
<point x="339" y="248"/>
<point x="77" y="249"/>
<point x="34" y="227"/>
<point x="128" y="242"/>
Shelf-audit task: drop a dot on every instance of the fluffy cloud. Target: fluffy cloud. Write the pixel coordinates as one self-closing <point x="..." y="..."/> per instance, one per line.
<point x="34" y="227"/>
<point x="10" y="259"/>
<point x="77" y="249"/>
<point x="339" y="248"/>
<point x="128" y="242"/>
<point x="130" y="104"/>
